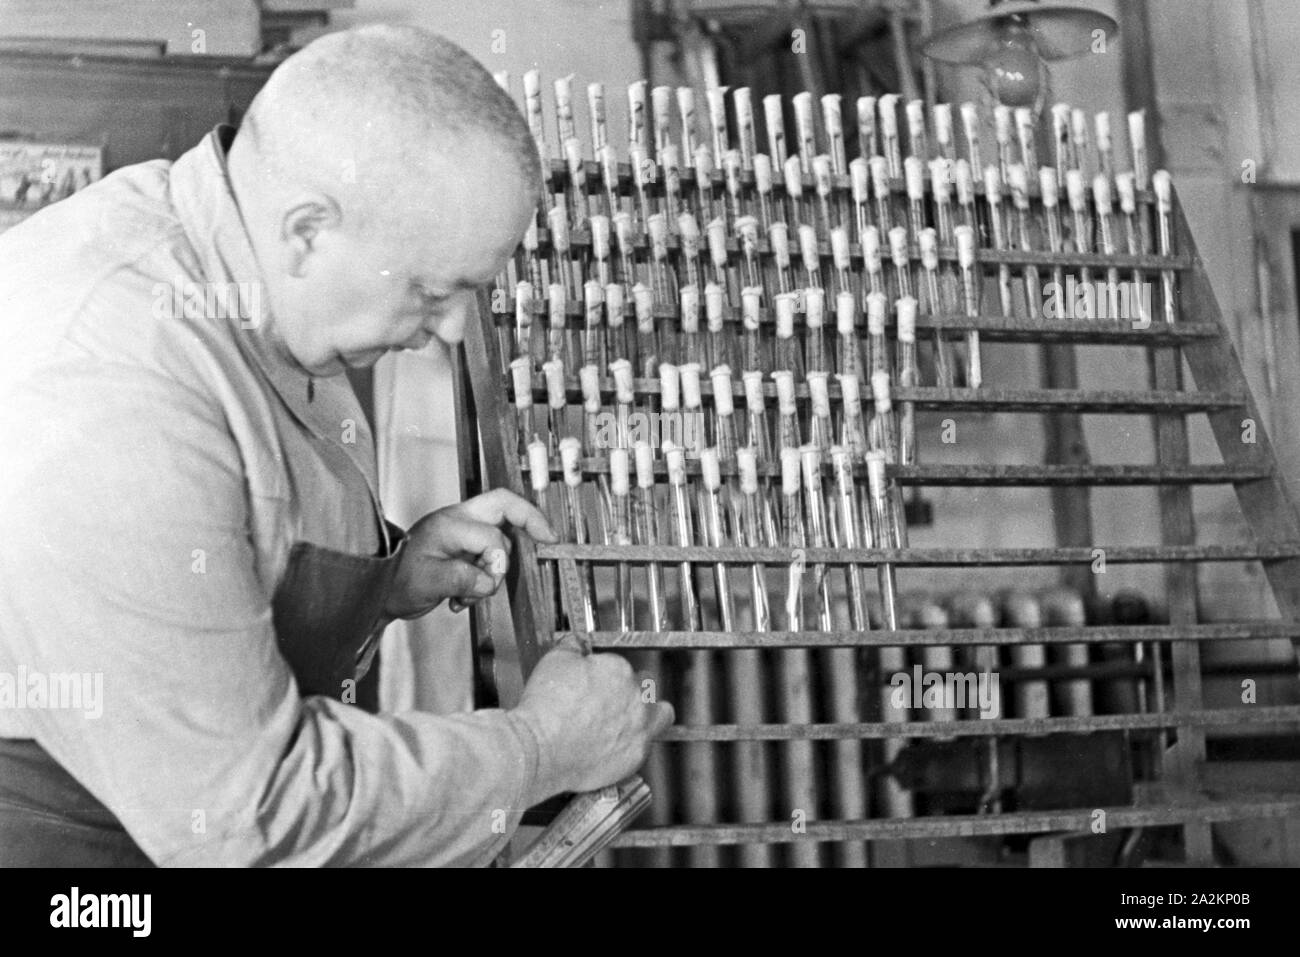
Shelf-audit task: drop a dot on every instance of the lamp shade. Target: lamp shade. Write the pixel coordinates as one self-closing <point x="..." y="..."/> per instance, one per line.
<point x="1059" y="31"/>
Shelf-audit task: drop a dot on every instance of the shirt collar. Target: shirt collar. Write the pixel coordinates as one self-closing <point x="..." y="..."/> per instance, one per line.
<point x="205" y="203"/>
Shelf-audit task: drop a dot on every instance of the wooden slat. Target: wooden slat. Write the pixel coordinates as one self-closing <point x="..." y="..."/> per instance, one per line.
<point x="1232" y="631"/>
<point x="1110" y="401"/>
<point x="529" y="603"/>
<point x="925" y="557"/>
<point x="1285" y="718"/>
<point x="1214" y="364"/>
<point x="1032" y="475"/>
<point x="994" y="328"/>
<point x="965" y="825"/>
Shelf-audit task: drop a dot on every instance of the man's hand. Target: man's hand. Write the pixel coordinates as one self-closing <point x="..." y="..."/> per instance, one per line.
<point x="460" y="552"/>
<point x="592" y="716"/>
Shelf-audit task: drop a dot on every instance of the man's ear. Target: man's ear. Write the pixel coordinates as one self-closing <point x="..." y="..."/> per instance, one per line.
<point x="302" y="226"/>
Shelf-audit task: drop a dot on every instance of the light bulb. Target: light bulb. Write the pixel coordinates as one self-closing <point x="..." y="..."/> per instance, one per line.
<point x="1014" y="70"/>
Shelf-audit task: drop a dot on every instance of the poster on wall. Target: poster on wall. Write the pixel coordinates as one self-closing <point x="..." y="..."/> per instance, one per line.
<point x="33" y="175"/>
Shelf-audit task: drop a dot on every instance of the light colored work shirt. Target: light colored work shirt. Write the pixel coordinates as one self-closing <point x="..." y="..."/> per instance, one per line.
<point x="159" y="456"/>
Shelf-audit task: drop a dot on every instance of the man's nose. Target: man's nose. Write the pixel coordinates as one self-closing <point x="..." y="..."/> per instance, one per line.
<point x="450" y="327"/>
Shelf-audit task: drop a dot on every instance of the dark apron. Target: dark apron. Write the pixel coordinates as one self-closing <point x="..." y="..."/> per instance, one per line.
<point x="325" y="610"/>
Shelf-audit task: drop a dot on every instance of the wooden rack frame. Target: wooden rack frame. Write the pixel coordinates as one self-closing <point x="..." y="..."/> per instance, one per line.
<point x="1199" y="338"/>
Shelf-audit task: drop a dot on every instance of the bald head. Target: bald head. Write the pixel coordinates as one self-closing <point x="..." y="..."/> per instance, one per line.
<point x="369" y="112"/>
<point x="382" y="177"/>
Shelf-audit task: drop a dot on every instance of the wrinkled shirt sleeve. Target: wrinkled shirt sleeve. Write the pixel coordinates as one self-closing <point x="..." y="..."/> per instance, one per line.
<point x="126" y="552"/>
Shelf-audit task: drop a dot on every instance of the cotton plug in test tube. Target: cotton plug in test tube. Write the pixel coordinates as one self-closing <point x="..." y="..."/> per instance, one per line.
<point x="692" y="406"/>
<point x="747" y="238"/>
<point x="646" y="521"/>
<point x="833" y="124"/>
<point x="593" y="308"/>
<point x="1050" y="188"/>
<point x="914" y="175"/>
<point x="878" y="358"/>
<point x="821" y="431"/>
<point x="589" y="383"/>
<point x="814" y="314"/>
<point x="788" y="411"/>
<point x="577" y="190"/>
<point x="743" y="104"/>
<point x="860" y="192"/>
<point x="524" y="320"/>
<point x="683" y="531"/>
<point x="557" y="399"/>
<point x="1062" y="153"/>
<point x="917" y="141"/>
<point x="624" y="397"/>
<point x="539" y="475"/>
<point x="883" y="532"/>
<point x="792" y="533"/>
<point x="704" y="167"/>
<point x="805" y="131"/>
<point x="970" y="295"/>
<point x="760" y="436"/>
<point x="647" y="335"/>
<point x="1002" y="135"/>
<point x="1104" y="203"/>
<point x="620" y="533"/>
<point x="1025" y="134"/>
<point x="997" y="230"/>
<point x="900" y="257"/>
<point x="852" y="434"/>
<point x="941" y="188"/>
<point x="907" y="376"/>
<point x="719" y="342"/>
<point x="753" y="355"/>
<point x="714" y="535"/>
<point x="614" y="303"/>
<point x="1105" y="145"/>
<point x="754" y="533"/>
<point x="891" y="148"/>
<point x="724" y="427"/>
<point x="1076" y="190"/>
<point x="1162" y="183"/>
<point x="881" y="188"/>
<point x="868" y="141"/>
<point x="934" y="299"/>
<point x="824" y="184"/>
<point x="774" y="119"/>
<point x="689" y="306"/>
<point x="871" y="260"/>
<point x="731" y="170"/>
<point x="1137" y="136"/>
<point x="970" y="124"/>
<point x="842" y="259"/>
<point x="817" y="529"/>
<point x="793" y="178"/>
<point x="849" y="352"/>
<point x="596" y="112"/>
<point x="571" y="464"/>
<point x="716" y="98"/>
<point x="686" y="112"/>
<point x="763" y="187"/>
<point x="964" y="182"/>
<point x="787" y="349"/>
<point x="521" y="375"/>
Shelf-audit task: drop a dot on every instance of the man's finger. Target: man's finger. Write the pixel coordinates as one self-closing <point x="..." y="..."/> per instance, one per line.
<point x="459" y="535"/>
<point x="501" y="505"/>
<point x="470" y="581"/>
<point x="662" y="716"/>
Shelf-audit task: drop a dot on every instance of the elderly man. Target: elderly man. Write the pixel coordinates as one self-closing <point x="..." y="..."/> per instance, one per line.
<point x="187" y="499"/>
